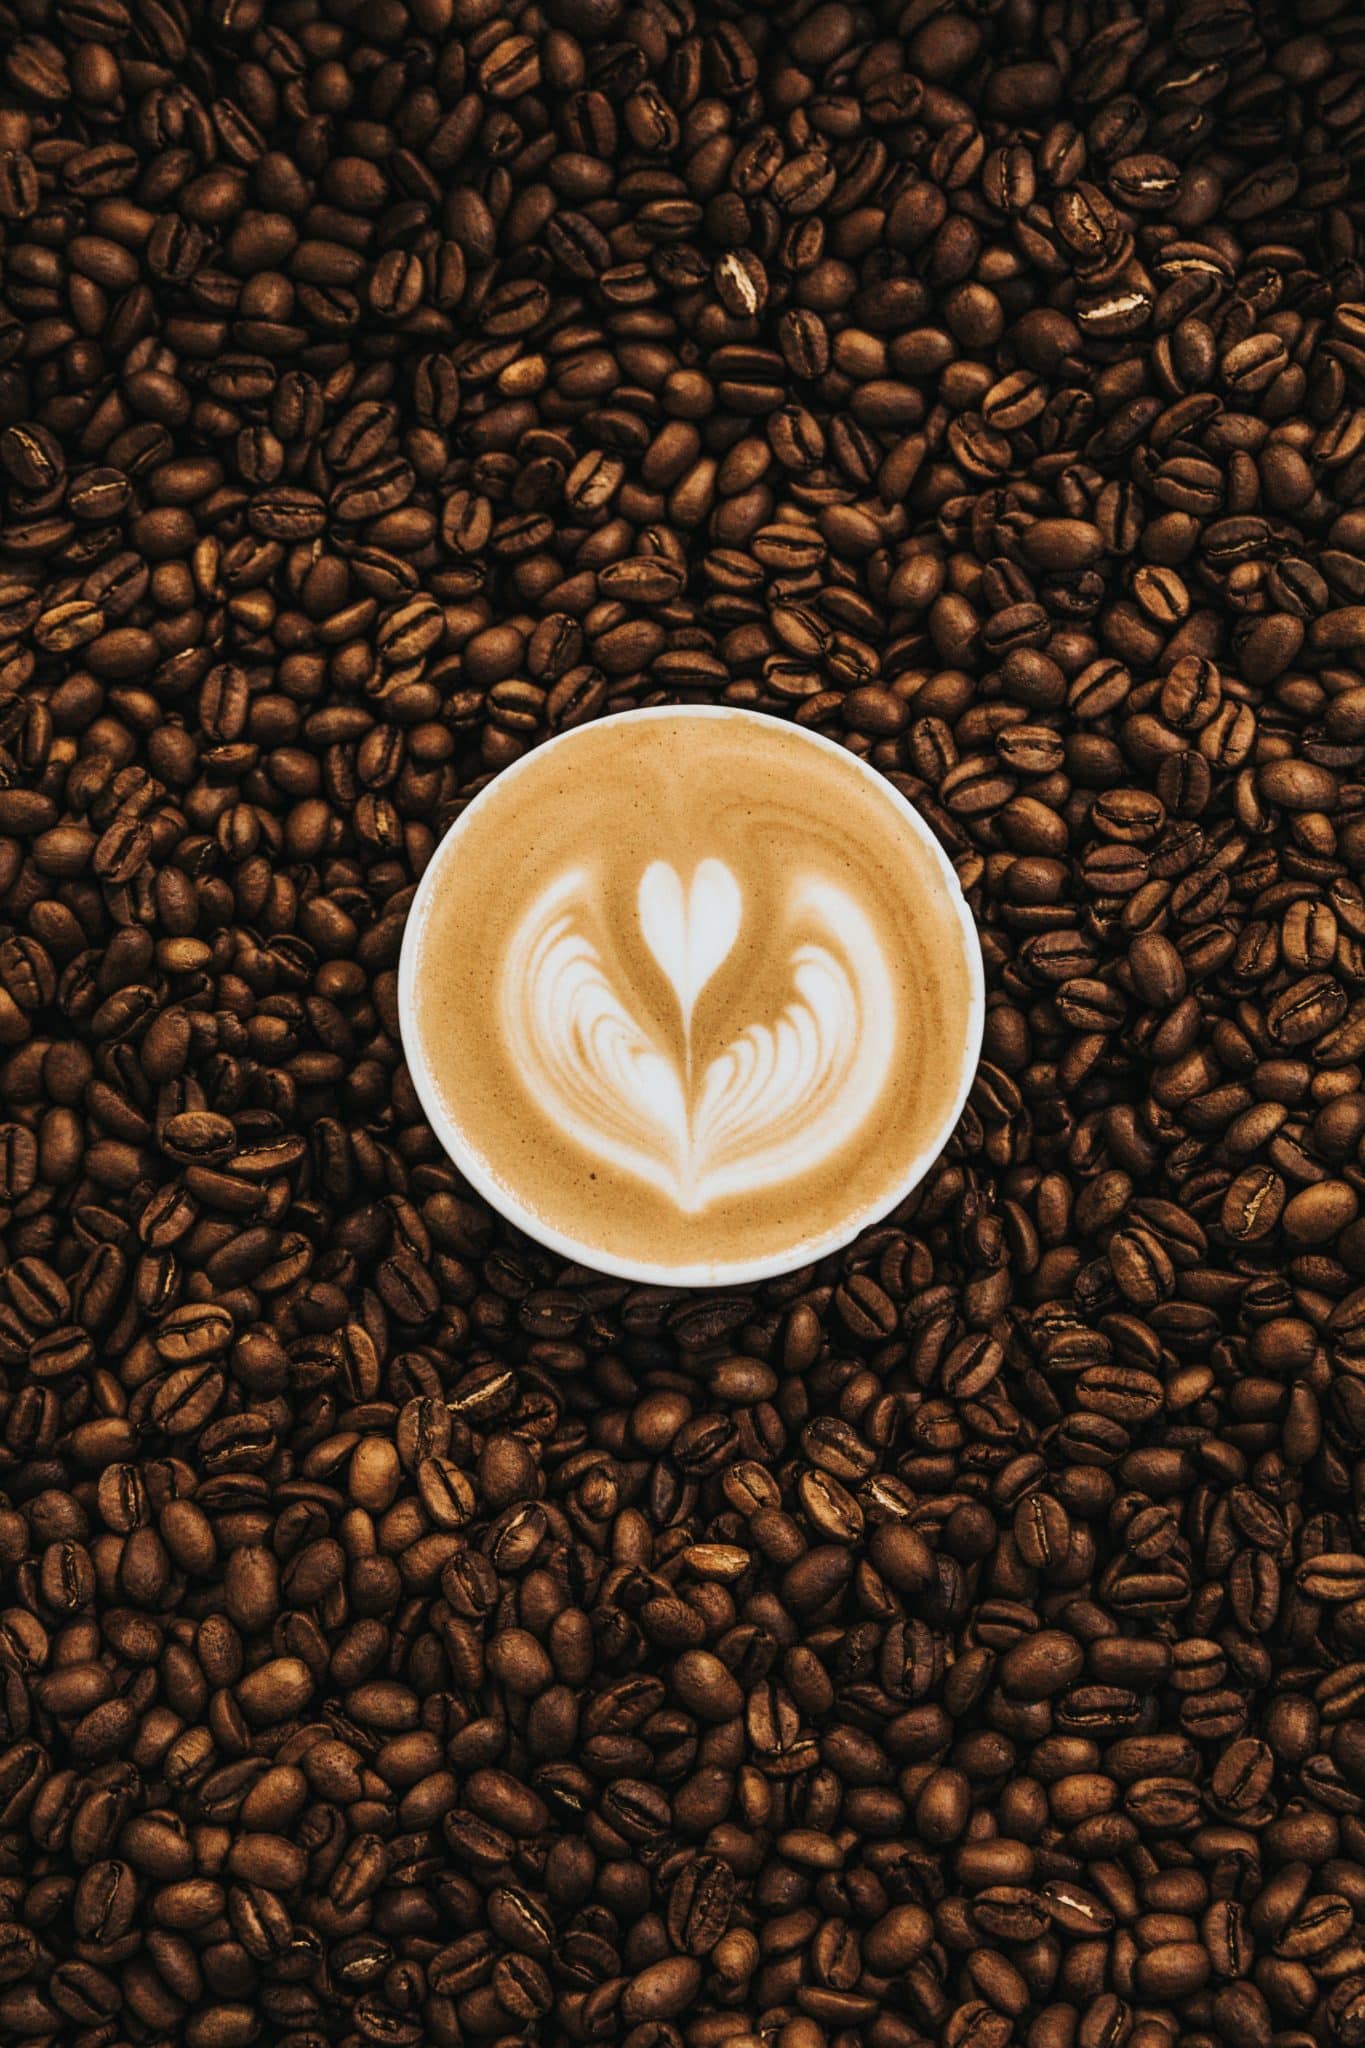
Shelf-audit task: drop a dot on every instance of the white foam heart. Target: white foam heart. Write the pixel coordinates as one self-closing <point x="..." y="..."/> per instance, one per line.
<point x="690" y="933"/>
<point x="778" y="1101"/>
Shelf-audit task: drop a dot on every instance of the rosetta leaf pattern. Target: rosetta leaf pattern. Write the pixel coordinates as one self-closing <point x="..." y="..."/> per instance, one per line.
<point x="781" y="1098"/>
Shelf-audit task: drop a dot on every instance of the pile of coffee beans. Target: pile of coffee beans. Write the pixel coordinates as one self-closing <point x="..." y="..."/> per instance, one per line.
<point x="404" y="1638"/>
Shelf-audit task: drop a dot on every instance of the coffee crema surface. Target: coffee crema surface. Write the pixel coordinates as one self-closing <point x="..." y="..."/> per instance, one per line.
<point x="693" y="991"/>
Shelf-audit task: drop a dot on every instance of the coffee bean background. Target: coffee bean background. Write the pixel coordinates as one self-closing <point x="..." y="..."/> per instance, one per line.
<point x="405" y="1639"/>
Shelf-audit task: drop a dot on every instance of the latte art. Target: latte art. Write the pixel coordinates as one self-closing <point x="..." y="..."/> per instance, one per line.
<point x="690" y="994"/>
<point x="771" y="1105"/>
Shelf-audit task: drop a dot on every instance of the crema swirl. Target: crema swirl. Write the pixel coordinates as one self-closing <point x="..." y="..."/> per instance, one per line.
<point x="691" y="993"/>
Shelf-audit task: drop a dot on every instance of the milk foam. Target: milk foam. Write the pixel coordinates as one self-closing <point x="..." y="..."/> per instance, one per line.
<point x="774" y="1103"/>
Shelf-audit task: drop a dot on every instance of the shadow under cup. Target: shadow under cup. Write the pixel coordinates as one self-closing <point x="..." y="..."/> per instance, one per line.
<point x="691" y="995"/>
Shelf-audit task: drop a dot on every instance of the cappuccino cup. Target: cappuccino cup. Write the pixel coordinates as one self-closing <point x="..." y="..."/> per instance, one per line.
<point x="691" y="995"/>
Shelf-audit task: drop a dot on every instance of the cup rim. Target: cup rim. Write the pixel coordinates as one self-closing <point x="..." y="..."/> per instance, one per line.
<point x="714" y="1273"/>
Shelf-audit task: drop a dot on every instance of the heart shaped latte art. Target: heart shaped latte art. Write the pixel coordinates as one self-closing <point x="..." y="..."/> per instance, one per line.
<point x="781" y="1098"/>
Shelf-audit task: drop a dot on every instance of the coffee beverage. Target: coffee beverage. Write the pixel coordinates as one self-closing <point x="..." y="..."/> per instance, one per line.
<point x="691" y="991"/>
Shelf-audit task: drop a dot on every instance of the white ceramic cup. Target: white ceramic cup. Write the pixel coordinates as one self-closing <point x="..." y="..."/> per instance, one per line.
<point x="718" y="1272"/>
